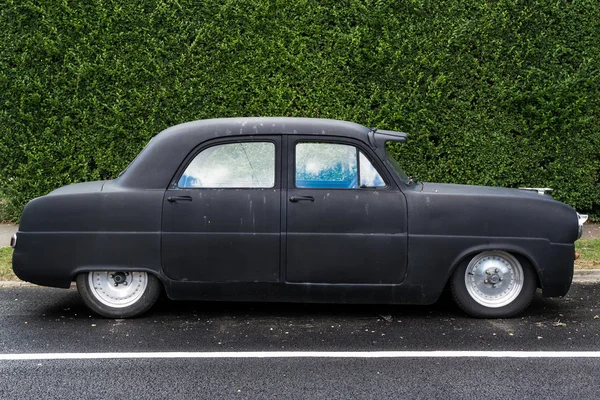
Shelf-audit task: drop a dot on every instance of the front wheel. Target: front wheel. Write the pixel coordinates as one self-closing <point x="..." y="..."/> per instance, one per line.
<point x="493" y="284"/>
<point x="118" y="294"/>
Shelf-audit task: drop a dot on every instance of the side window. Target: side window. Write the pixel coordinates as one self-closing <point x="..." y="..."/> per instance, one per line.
<point x="232" y="165"/>
<point x="334" y="166"/>
<point x="369" y="177"/>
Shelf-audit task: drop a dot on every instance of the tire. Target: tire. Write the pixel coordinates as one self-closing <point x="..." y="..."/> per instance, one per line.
<point x="493" y="284"/>
<point x="118" y="294"/>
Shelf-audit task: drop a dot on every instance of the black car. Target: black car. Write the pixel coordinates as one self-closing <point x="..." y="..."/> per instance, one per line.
<point x="292" y="209"/>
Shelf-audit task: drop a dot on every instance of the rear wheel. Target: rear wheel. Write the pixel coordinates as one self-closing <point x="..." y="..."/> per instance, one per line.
<point x="118" y="294"/>
<point x="493" y="284"/>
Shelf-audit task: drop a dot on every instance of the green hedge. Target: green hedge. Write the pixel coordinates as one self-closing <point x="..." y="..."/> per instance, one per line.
<point x="491" y="92"/>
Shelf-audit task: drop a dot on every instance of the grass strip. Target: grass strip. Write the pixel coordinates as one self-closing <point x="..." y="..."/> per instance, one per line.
<point x="590" y="253"/>
<point x="6" y="272"/>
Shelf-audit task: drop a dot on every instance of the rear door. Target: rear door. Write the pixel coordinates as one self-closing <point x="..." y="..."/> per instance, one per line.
<point x="346" y="220"/>
<point x="221" y="214"/>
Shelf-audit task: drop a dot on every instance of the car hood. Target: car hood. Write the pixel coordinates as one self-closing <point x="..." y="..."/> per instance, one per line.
<point x="462" y="210"/>
<point x="85" y="187"/>
<point x="471" y="190"/>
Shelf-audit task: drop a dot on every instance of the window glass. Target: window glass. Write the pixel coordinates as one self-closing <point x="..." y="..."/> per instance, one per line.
<point x="326" y="165"/>
<point x="369" y="177"/>
<point x="233" y="165"/>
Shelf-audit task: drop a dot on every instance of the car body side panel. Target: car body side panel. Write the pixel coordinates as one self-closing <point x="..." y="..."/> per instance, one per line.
<point x="298" y="292"/>
<point x="479" y="211"/>
<point x="432" y="260"/>
<point x="60" y="256"/>
<point x="62" y="234"/>
<point x="222" y="235"/>
<point x="447" y="225"/>
<point x="347" y="236"/>
<point x="114" y="209"/>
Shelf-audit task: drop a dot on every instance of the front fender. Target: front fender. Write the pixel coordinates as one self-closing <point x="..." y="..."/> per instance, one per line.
<point x="433" y="259"/>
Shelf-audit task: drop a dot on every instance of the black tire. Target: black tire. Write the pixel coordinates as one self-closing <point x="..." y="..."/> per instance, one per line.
<point x="142" y="302"/>
<point x="470" y="290"/>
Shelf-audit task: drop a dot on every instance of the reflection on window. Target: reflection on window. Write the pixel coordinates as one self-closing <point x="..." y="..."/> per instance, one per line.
<point x="326" y="165"/>
<point x="369" y="177"/>
<point x="333" y="166"/>
<point x="233" y="165"/>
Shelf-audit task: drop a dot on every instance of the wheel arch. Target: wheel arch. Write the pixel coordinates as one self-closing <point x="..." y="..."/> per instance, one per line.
<point x="91" y="268"/>
<point x="522" y="255"/>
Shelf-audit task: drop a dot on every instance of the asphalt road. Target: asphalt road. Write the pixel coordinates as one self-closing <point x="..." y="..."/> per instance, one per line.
<point x="38" y="320"/>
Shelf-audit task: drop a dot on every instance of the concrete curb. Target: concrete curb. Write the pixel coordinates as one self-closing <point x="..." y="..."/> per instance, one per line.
<point x="586" y="275"/>
<point x="580" y="276"/>
<point x="21" y="284"/>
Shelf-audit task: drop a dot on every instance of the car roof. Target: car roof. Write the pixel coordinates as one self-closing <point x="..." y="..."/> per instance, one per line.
<point x="218" y="127"/>
<point x="206" y="129"/>
<point x="157" y="163"/>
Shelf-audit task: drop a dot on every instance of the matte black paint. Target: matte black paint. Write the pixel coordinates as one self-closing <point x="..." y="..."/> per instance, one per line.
<point x="397" y="244"/>
<point x="222" y="235"/>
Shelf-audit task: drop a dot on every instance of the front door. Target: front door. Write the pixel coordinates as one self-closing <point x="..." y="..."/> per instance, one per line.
<point x="221" y="214"/>
<point x="346" y="219"/>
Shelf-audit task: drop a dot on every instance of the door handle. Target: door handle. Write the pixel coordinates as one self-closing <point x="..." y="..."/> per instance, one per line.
<point x="179" y="198"/>
<point x="296" y="199"/>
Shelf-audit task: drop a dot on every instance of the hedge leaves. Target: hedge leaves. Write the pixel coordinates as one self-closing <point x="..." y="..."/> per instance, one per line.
<point x="502" y="93"/>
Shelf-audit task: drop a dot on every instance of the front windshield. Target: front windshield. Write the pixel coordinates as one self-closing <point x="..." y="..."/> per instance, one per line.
<point x="397" y="168"/>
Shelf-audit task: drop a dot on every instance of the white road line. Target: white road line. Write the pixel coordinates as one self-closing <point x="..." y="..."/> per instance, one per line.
<point x="304" y="354"/>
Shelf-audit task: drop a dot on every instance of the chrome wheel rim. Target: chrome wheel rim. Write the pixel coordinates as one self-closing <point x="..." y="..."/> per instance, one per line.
<point x="494" y="278"/>
<point x="117" y="289"/>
